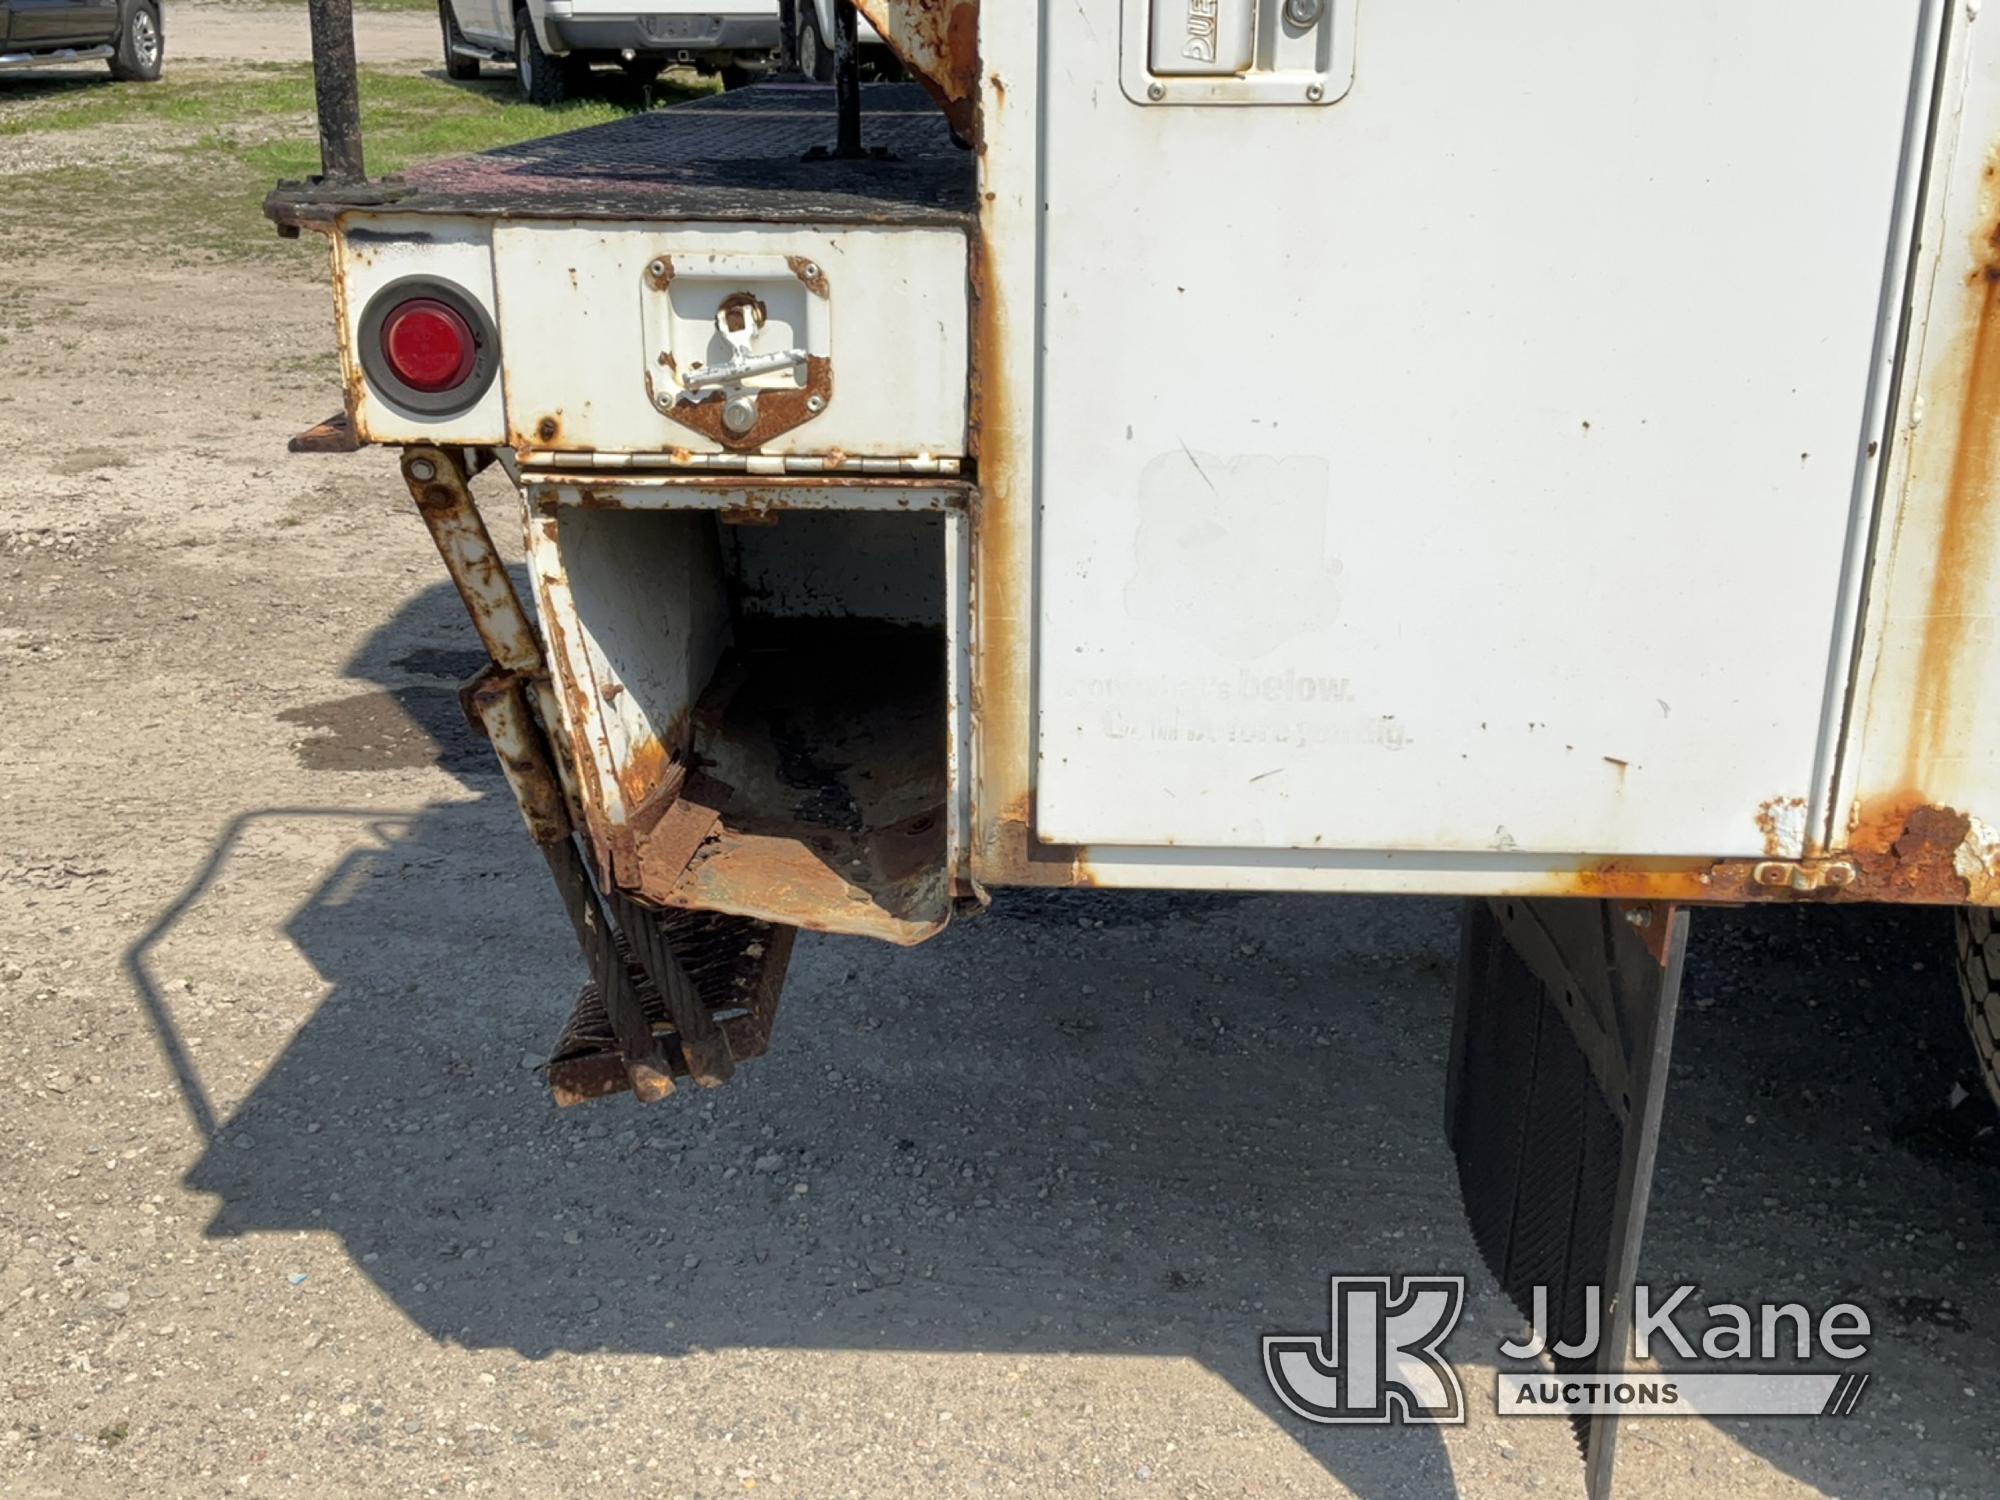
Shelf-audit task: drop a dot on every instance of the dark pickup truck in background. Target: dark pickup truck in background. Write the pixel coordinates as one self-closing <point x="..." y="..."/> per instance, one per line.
<point x="125" y="33"/>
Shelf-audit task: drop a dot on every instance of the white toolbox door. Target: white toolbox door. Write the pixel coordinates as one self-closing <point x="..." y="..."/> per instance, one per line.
<point x="1466" y="464"/>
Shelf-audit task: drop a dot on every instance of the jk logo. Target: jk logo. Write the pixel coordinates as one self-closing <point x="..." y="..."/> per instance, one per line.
<point x="1380" y="1360"/>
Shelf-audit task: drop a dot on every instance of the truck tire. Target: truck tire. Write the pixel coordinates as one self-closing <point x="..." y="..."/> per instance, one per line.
<point x="457" y="65"/>
<point x="142" y="46"/>
<point x="815" y="51"/>
<point x="545" y="80"/>
<point x="1979" y="983"/>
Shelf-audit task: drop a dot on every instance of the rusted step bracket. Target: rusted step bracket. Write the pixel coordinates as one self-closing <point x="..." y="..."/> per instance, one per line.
<point x="500" y="708"/>
<point x="671" y="993"/>
<point x="335" y="435"/>
<point x="638" y="973"/>
<point x="440" y="485"/>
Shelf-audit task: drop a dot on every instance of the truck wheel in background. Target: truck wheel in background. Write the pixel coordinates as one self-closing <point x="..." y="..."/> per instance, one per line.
<point x="544" y="80"/>
<point x="142" y="46"/>
<point x="1979" y="982"/>
<point x="457" y="64"/>
<point x="815" y="51"/>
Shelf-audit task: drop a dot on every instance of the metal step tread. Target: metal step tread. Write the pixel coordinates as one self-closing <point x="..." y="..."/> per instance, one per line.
<point x="738" y="967"/>
<point x="733" y="156"/>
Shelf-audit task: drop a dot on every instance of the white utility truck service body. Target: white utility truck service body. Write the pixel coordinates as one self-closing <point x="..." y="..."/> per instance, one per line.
<point x="1524" y="453"/>
<point x="1469" y="479"/>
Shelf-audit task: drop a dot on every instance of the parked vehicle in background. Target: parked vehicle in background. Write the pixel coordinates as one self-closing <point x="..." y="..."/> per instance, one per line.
<point x="125" y="33"/>
<point x="552" y="44"/>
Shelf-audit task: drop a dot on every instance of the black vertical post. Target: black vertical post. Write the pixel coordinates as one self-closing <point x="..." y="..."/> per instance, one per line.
<point x="336" y="90"/>
<point x="847" y="77"/>
<point x="788" y="37"/>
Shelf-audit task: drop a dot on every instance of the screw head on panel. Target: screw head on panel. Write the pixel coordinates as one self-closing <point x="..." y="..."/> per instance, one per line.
<point x="1156" y="91"/>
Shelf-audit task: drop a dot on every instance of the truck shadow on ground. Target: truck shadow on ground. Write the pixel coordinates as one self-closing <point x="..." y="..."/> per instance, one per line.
<point x="1090" y="1123"/>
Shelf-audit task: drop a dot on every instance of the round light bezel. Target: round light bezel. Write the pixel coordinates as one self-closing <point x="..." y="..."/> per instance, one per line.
<point x="461" y="344"/>
<point x="390" y="386"/>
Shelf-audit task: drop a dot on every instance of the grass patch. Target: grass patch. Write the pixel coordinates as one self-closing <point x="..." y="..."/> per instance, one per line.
<point x="179" y="169"/>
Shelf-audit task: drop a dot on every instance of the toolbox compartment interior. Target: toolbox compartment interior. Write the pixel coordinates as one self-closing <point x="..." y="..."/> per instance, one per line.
<point x="789" y="673"/>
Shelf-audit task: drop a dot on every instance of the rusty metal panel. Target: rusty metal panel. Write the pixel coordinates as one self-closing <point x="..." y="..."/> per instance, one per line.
<point x="938" y="41"/>
<point x="609" y="327"/>
<point x="740" y="498"/>
<point x="369" y="252"/>
<point x="1004" y="341"/>
<point x="1422" y="491"/>
<point x="958" y="700"/>
<point x="1887" y="844"/>
<point x="1918" y="790"/>
<point x="636" y="622"/>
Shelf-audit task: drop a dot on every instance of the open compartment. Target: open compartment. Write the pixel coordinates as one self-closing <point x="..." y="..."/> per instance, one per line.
<point x="757" y="704"/>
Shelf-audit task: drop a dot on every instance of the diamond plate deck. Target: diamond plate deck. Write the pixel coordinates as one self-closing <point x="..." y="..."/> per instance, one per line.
<point x="730" y="157"/>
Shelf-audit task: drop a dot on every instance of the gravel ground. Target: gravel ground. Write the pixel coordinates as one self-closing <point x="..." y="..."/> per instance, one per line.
<point x="236" y="33"/>
<point x="284" y="1208"/>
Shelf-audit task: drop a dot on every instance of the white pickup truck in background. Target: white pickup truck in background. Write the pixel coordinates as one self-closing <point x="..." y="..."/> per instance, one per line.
<point x="816" y="40"/>
<point x="552" y="44"/>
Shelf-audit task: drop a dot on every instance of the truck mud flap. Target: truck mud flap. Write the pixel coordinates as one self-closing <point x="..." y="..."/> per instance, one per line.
<point x="1560" y="1041"/>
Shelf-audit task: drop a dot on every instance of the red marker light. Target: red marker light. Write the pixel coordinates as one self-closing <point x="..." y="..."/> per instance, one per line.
<point x="428" y="345"/>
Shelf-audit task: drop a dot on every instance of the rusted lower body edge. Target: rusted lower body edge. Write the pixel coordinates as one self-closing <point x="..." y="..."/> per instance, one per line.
<point x="1921" y="855"/>
<point x="1905" y="854"/>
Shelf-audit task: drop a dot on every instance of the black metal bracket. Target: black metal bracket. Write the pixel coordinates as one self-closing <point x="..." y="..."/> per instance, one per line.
<point x="336" y="90"/>
<point x="788" y="38"/>
<point x="847" y="92"/>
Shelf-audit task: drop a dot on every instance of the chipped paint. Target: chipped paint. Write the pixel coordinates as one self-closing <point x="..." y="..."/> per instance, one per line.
<point x="648" y="766"/>
<point x="437" y="482"/>
<point x="1782" y="821"/>
<point x="500" y="708"/>
<point x="938" y="41"/>
<point x="1920" y="755"/>
<point x="808" y="272"/>
<point x="778" y="411"/>
<point x="1957" y="626"/>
